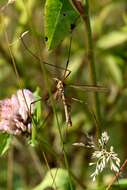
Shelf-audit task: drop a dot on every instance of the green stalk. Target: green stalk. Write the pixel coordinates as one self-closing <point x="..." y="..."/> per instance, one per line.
<point x="91" y="59"/>
<point x="58" y="124"/>
<point x="84" y="13"/>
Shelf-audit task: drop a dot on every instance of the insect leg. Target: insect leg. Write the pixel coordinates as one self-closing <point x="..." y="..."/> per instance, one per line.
<point x="67" y="110"/>
<point x="40" y="99"/>
<point x="37" y="58"/>
<point x="90" y="110"/>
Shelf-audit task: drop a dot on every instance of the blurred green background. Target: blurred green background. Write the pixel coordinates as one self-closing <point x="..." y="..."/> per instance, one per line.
<point x="24" y="167"/>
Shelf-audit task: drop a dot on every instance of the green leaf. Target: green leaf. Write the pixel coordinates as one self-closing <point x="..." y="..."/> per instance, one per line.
<point x="56" y="178"/>
<point x="38" y="104"/>
<point x="121" y="185"/>
<point x="37" y="117"/>
<point x="113" y="66"/>
<point x="58" y="17"/>
<point x="5" y="141"/>
<point x="112" y="39"/>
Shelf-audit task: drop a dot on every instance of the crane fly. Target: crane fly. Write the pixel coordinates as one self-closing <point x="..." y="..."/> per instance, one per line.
<point x="59" y="91"/>
<point x="60" y="94"/>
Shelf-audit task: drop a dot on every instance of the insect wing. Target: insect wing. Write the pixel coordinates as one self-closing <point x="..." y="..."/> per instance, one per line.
<point x="55" y="71"/>
<point x="90" y="88"/>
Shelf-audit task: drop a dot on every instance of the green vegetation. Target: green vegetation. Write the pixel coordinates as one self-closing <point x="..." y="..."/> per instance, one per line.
<point x="41" y="42"/>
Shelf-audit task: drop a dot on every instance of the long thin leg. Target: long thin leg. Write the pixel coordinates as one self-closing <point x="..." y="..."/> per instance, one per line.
<point x="40" y="99"/>
<point x="68" y="59"/>
<point x="67" y="110"/>
<point x="69" y="51"/>
<point x="91" y="112"/>
<point x="37" y="58"/>
<point x="46" y="118"/>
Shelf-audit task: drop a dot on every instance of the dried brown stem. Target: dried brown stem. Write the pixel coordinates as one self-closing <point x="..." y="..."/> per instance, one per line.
<point x="117" y="175"/>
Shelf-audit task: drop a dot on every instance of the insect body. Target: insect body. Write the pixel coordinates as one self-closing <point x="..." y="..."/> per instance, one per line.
<point x="60" y="94"/>
<point x="15" y="116"/>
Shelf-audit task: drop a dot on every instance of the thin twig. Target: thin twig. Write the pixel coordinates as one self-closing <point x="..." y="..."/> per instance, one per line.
<point x="48" y="167"/>
<point x="117" y="175"/>
<point x="7" y="58"/>
<point x="36" y="160"/>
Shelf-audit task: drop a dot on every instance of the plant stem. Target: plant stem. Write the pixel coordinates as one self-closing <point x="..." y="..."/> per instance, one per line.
<point x="84" y="13"/>
<point x="10" y="170"/>
<point x="91" y="59"/>
<point x="57" y="121"/>
<point x="117" y="175"/>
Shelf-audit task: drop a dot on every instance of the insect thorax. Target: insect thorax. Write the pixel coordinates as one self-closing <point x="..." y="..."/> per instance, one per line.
<point x="60" y="87"/>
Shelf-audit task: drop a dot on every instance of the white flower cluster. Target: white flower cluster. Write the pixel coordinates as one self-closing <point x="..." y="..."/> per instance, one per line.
<point x="103" y="157"/>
